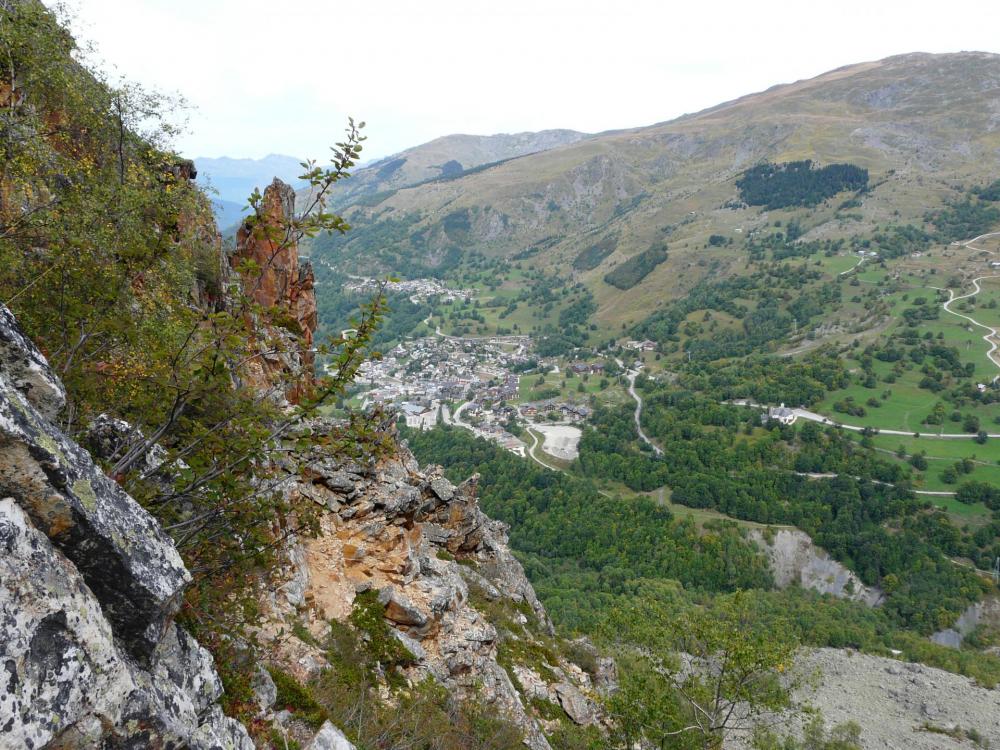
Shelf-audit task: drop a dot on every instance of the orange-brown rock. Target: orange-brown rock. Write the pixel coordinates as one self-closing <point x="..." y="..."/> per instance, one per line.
<point x="439" y="568"/>
<point x="278" y="282"/>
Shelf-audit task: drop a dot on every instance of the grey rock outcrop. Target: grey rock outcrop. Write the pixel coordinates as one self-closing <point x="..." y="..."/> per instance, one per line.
<point x="329" y="738"/>
<point x="89" y="584"/>
<point x="985" y="612"/>
<point x="573" y="702"/>
<point x="265" y="692"/>
<point x="898" y="705"/>
<point x="121" y="552"/>
<point x="795" y="560"/>
<point x="26" y="370"/>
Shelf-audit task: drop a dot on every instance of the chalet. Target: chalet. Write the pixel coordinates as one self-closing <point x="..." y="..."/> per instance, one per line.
<point x="641" y="346"/>
<point x="781" y="414"/>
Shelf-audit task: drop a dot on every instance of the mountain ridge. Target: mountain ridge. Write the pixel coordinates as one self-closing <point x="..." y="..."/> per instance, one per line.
<point x="916" y="121"/>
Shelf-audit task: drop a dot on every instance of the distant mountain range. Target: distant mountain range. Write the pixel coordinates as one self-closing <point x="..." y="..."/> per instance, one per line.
<point x="234" y="180"/>
<point x="447" y="157"/>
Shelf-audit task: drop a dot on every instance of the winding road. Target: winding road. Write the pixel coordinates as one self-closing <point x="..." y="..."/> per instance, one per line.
<point x="990" y="336"/>
<point x="968" y="243"/>
<point x="631" y="375"/>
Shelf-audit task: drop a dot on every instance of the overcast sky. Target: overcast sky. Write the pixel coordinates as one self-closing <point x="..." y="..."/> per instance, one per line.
<point x="281" y="76"/>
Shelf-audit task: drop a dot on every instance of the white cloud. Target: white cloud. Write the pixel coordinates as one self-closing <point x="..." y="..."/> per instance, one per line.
<point x="269" y="76"/>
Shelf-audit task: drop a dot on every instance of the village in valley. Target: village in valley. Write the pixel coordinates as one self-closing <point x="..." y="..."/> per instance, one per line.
<point x="475" y="383"/>
<point x="494" y="386"/>
<point x="416" y="290"/>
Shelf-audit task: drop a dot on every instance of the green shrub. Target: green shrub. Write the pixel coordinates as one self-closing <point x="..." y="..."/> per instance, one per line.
<point x="368" y="617"/>
<point x="296" y="698"/>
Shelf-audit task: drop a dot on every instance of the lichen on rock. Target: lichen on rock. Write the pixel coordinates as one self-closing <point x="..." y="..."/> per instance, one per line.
<point x="89" y="585"/>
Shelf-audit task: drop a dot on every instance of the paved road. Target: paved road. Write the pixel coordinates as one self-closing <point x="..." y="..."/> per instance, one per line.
<point x="812" y="416"/>
<point x="631" y="375"/>
<point x="834" y="475"/>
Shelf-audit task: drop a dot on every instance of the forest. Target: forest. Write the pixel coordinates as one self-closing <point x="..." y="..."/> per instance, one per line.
<point x="797" y="183"/>
<point x="630" y="272"/>
<point x="592" y="255"/>
<point x="717" y="456"/>
<point x="963" y="220"/>
<point x="786" y="296"/>
<point x="662" y="559"/>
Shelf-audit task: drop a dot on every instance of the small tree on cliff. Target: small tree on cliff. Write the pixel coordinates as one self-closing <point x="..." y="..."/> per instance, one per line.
<point x="110" y="258"/>
<point x="697" y="675"/>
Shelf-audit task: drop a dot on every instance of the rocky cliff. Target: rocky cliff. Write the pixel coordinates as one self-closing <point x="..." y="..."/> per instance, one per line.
<point x="89" y="586"/>
<point x="443" y="578"/>
<point x="796" y="561"/>
<point x="267" y="259"/>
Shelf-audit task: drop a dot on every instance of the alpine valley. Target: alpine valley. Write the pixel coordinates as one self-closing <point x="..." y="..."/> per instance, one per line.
<point x="679" y="436"/>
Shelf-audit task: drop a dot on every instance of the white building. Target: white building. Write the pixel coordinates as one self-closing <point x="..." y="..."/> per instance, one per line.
<point x="641" y="346"/>
<point x="420" y="416"/>
<point x="781" y="414"/>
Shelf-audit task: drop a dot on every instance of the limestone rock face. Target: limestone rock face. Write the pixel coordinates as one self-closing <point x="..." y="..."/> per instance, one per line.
<point x="795" y="560"/>
<point x="329" y="738"/>
<point x="280" y="281"/>
<point x="89" y="584"/>
<point x="438" y="564"/>
<point x="118" y="548"/>
<point x="26" y="370"/>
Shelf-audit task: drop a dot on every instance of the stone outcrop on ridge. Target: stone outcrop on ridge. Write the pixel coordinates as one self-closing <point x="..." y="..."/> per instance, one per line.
<point x="279" y="282"/>
<point x="449" y="586"/>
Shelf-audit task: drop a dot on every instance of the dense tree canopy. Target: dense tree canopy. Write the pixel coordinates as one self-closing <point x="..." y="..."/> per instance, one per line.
<point x="798" y="183"/>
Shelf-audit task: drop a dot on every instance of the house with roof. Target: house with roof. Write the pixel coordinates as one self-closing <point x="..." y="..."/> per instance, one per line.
<point x="781" y="414"/>
<point x="419" y="416"/>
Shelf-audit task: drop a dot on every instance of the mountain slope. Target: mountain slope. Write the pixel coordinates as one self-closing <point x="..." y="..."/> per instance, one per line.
<point x="448" y="156"/>
<point x="919" y="123"/>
